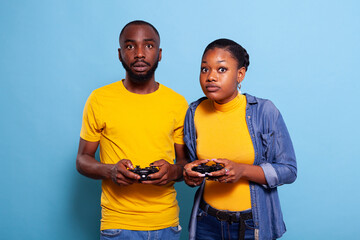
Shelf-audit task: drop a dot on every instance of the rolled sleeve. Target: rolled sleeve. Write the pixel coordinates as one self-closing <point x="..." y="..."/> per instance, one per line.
<point x="270" y="175"/>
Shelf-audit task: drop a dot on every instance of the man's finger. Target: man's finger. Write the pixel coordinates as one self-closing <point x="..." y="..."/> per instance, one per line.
<point x="159" y="163"/>
<point x="129" y="174"/>
<point x="127" y="163"/>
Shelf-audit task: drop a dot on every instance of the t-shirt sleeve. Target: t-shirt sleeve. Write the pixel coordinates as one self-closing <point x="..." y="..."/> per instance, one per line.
<point x="91" y="124"/>
<point x="179" y="126"/>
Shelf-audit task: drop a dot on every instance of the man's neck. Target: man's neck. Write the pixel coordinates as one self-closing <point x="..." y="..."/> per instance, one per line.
<point x="145" y="87"/>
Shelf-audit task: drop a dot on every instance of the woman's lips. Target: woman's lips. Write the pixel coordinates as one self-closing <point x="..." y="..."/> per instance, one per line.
<point x="212" y="88"/>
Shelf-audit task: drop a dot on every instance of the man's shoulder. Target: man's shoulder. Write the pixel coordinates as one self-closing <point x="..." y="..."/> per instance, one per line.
<point x="172" y="93"/>
<point x="108" y="88"/>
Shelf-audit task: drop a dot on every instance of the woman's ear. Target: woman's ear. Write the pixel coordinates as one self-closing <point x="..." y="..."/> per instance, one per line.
<point x="241" y="74"/>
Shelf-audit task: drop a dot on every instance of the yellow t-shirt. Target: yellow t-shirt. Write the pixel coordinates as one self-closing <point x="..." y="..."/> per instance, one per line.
<point x="222" y="132"/>
<point x="142" y="128"/>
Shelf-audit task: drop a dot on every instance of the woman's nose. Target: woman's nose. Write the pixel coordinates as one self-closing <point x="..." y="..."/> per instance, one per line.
<point x="212" y="76"/>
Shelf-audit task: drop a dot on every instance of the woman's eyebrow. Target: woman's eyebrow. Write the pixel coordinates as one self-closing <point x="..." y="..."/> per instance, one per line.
<point x="220" y="61"/>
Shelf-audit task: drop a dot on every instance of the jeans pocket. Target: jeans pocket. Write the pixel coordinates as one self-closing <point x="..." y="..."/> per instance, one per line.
<point x="110" y="233"/>
<point x="200" y="214"/>
<point x="176" y="229"/>
<point x="250" y="224"/>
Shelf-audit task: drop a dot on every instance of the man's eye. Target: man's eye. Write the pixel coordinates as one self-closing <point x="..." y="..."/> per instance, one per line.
<point x="150" y="46"/>
<point x="222" y="69"/>
<point x="204" y="69"/>
<point x="129" y="47"/>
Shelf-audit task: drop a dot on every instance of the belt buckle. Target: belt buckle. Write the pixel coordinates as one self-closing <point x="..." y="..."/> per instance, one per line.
<point x="219" y="217"/>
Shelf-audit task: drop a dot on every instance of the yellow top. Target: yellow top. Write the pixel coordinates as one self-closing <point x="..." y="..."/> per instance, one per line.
<point x="222" y="132"/>
<point x="142" y="128"/>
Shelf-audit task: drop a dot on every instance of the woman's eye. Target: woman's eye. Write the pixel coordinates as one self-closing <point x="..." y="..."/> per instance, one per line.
<point x="204" y="69"/>
<point x="222" y="69"/>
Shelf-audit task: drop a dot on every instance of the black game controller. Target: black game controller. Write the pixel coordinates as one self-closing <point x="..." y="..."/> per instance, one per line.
<point x="144" y="172"/>
<point x="206" y="169"/>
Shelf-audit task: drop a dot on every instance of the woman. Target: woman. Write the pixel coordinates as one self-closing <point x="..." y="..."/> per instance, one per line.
<point x="248" y="137"/>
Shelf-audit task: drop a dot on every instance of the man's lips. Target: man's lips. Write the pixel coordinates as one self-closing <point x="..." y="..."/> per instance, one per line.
<point x="212" y="88"/>
<point x="140" y="66"/>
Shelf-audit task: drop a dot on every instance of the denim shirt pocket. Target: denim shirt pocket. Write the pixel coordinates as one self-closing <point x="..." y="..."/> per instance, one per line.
<point x="267" y="141"/>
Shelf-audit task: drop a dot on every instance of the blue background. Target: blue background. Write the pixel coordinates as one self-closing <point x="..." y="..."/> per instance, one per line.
<point x="304" y="57"/>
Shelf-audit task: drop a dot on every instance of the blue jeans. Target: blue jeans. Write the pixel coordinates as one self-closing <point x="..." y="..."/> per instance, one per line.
<point x="209" y="228"/>
<point x="171" y="233"/>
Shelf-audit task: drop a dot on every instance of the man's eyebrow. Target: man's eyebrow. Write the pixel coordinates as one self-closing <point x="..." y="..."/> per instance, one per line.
<point x="145" y="40"/>
<point x="149" y="40"/>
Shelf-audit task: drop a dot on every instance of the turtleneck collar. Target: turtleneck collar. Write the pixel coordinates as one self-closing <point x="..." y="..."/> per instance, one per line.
<point x="233" y="104"/>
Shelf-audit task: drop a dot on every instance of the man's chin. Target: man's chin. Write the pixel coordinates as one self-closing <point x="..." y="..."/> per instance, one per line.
<point x="140" y="78"/>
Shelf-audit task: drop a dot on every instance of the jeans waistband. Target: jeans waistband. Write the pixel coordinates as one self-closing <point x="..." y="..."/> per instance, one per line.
<point x="228" y="216"/>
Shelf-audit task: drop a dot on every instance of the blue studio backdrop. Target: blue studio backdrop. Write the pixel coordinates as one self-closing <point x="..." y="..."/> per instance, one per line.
<point x="304" y="56"/>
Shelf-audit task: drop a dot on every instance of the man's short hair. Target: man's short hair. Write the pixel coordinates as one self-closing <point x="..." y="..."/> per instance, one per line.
<point x="139" y="22"/>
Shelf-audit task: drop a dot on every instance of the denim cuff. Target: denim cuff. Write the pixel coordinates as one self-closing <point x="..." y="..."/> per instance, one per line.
<point x="270" y="175"/>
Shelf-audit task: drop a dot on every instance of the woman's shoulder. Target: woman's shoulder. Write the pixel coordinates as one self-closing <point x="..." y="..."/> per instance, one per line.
<point x="258" y="100"/>
<point x="264" y="105"/>
<point x="196" y="103"/>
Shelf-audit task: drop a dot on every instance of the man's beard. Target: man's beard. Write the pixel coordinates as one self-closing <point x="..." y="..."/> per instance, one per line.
<point x="140" y="78"/>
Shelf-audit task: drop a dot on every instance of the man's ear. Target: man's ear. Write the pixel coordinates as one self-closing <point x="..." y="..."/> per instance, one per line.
<point x="119" y="51"/>
<point x="160" y="54"/>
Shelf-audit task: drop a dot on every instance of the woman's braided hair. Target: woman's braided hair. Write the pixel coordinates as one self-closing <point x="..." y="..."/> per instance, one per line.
<point x="237" y="51"/>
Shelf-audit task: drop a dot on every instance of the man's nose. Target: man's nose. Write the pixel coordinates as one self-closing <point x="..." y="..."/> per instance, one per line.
<point x="140" y="53"/>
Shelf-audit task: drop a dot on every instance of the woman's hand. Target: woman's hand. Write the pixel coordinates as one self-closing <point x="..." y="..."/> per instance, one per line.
<point x="191" y="177"/>
<point x="233" y="172"/>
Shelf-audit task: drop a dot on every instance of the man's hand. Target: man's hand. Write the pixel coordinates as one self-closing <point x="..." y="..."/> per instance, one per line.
<point x="121" y="175"/>
<point x="169" y="172"/>
<point x="166" y="173"/>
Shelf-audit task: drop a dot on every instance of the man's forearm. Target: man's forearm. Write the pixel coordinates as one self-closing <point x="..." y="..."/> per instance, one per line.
<point x="90" y="167"/>
<point x="179" y="167"/>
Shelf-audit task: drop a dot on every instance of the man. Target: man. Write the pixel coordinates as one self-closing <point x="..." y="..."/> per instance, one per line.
<point x="136" y="121"/>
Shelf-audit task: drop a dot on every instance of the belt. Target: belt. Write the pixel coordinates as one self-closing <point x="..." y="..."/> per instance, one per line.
<point x="228" y="216"/>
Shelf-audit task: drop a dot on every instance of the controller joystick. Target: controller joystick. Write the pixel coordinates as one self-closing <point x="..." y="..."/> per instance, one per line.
<point x="144" y="172"/>
<point x="206" y="169"/>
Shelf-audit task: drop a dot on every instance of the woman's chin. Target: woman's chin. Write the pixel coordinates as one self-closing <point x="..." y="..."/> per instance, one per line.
<point x="211" y="96"/>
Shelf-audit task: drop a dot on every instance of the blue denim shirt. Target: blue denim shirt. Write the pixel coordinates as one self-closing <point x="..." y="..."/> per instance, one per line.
<point x="274" y="153"/>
